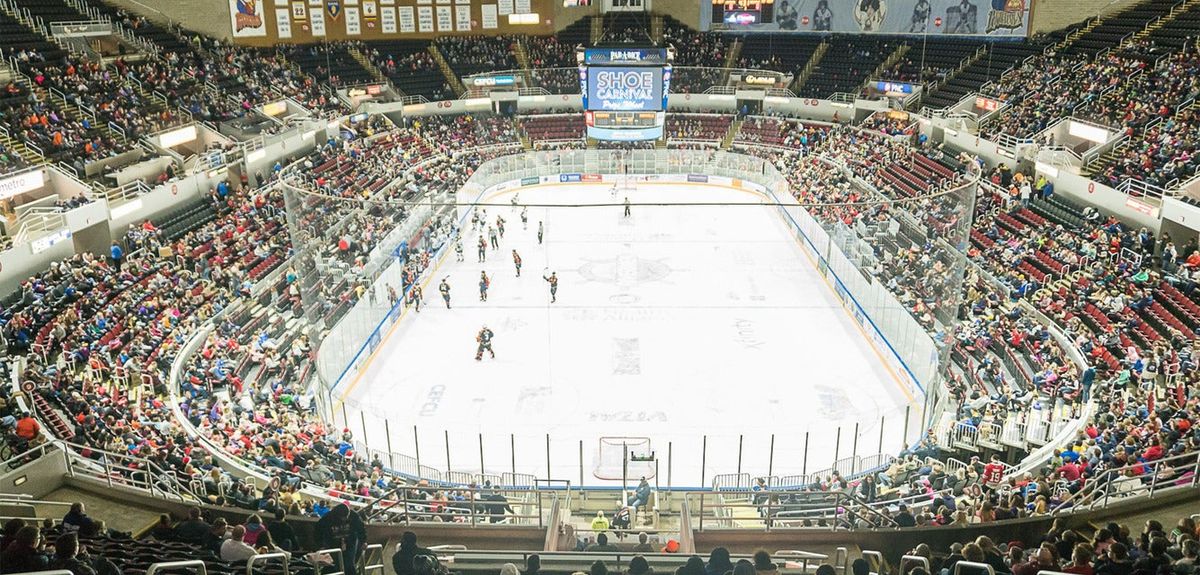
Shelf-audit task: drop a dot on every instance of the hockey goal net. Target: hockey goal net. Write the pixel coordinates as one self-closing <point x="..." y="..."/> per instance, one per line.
<point x="631" y="457"/>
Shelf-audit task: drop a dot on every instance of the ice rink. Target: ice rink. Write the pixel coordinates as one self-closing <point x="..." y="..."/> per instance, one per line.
<point x="674" y="324"/>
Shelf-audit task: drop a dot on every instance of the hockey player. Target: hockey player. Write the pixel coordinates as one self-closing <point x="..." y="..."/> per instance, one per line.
<point x="415" y="296"/>
<point x="517" y="262"/>
<point x="500" y="225"/>
<point x="445" y="289"/>
<point x="474" y="221"/>
<point x="553" y="280"/>
<point x="539" y="232"/>
<point x="493" y="238"/>
<point x="524" y="218"/>
<point x="458" y="250"/>
<point x="515" y="201"/>
<point x="482" y="249"/>
<point x="484" y="339"/>
<point x="627" y="206"/>
<point x="484" y="282"/>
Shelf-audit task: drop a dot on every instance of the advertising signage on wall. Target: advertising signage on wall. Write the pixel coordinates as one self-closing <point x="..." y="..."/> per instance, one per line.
<point x="955" y="17"/>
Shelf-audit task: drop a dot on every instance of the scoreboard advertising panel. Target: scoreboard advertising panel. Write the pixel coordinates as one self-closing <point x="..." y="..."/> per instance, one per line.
<point x="625" y="88"/>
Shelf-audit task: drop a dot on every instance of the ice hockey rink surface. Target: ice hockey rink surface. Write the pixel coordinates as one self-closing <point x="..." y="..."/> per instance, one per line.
<point x="676" y="323"/>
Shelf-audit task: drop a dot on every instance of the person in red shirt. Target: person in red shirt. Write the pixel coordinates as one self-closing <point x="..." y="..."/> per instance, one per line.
<point x="993" y="472"/>
<point x="28" y="427"/>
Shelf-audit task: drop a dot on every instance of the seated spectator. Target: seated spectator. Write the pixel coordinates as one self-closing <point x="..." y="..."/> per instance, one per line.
<point x="24" y="554"/>
<point x="643" y="544"/>
<point x="235" y="549"/>
<point x="402" y="560"/>
<point x="282" y="533"/>
<point x="69" y="555"/>
<point x="601" y="544"/>
<point x="193" y="529"/>
<point x="76" y="520"/>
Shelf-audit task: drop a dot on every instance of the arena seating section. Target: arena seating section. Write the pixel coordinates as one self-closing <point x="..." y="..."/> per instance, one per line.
<point x="98" y="339"/>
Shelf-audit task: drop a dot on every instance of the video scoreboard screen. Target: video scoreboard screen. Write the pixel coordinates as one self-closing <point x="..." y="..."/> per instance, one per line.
<point x="625" y="92"/>
<point x="622" y="119"/>
<point x="743" y="12"/>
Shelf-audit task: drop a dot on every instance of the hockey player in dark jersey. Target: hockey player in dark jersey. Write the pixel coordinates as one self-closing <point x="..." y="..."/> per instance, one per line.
<point x="500" y="225"/>
<point x="484" y="339"/>
<point x="484" y="282"/>
<point x="445" y="289"/>
<point x="517" y="262"/>
<point x="416" y="296"/>
<point x="553" y="280"/>
<point x="482" y="249"/>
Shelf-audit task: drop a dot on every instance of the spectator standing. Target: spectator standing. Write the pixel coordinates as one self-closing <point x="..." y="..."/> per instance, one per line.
<point x="343" y="529"/>
<point x="117" y="254"/>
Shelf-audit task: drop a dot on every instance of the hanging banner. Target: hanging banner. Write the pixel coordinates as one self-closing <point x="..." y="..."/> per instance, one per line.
<point x="408" y="22"/>
<point x="353" y="26"/>
<point x="445" y="20"/>
<point x="489" y="18"/>
<point x="283" y="23"/>
<point x="506" y="7"/>
<point x="425" y="19"/>
<point x="462" y="18"/>
<point x="246" y="16"/>
<point x="318" y="23"/>
<point x="387" y="18"/>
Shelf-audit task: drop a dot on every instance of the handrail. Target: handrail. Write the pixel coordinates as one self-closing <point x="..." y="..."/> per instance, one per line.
<point x="339" y="565"/>
<point x="263" y="558"/>
<point x="973" y="565"/>
<point x="156" y="567"/>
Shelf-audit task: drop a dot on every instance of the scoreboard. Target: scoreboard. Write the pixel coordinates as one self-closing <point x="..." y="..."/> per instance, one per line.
<point x="735" y="13"/>
<point x="625" y="92"/>
<point x="622" y="119"/>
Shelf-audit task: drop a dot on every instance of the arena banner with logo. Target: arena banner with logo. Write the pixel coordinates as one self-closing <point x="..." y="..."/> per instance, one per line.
<point x="246" y="17"/>
<point x="953" y="17"/>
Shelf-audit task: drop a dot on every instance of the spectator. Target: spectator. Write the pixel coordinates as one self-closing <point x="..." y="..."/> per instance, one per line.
<point x="235" y="548"/>
<point x="601" y="544"/>
<point x="194" y="529"/>
<point x="76" y="520"/>
<point x="342" y="528"/>
<point x="599" y="522"/>
<point x="70" y="556"/>
<point x="282" y="533"/>
<point x="163" y="530"/>
<point x="639" y="566"/>
<point x="643" y="544"/>
<point x="253" y="527"/>
<point x="718" y="562"/>
<point x="693" y="566"/>
<point x="24" y="553"/>
<point x="28" y="428"/>
<point x="763" y="563"/>
<point x="533" y="565"/>
<point x="402" y="560"/>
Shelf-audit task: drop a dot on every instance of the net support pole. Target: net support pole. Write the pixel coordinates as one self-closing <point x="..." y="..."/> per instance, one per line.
<point x="581" y="463"/>
<point x="837" y="447"/>
<point x="512" y="453"/>
<point x="362" y="419"/>
<point x="387" y="432"/>
<point x="771" y="458"/>
<point x="547" y="456"/>
<point x="703" y="458"/>
<point x="741" y="437"/>
<point x="417" y="450"/>
<point x="481" y="471"/>
<point x="669" y="455"/>
<point x="804" y="464"/>
<point x="882" y="421"/>
<point x="854" y="451"/>
<point x="446" y="435"/>
<point x="904" y="438"/>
